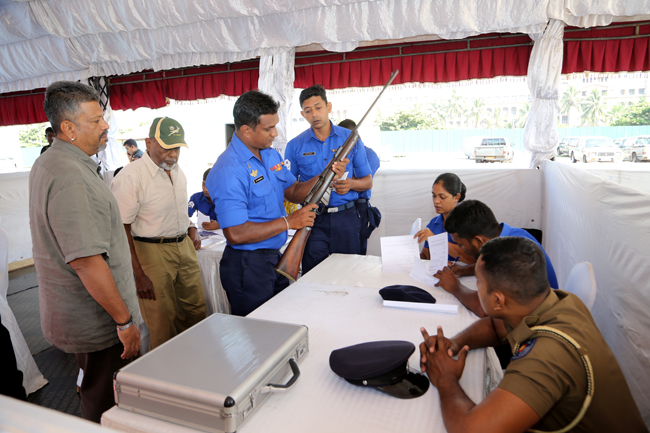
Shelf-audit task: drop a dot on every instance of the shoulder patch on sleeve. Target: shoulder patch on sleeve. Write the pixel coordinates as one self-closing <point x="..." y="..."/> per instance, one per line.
<point x="524" y="349"/>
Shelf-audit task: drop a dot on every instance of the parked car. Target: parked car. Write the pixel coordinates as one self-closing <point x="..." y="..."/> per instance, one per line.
<point x="494" y="149"/>
<point x="469" y="144"/>
<point x="636" y="149"/>
<point x="563" y="147"/>
<point x="595" y="149"/>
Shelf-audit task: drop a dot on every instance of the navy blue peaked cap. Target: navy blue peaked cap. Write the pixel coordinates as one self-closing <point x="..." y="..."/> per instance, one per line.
<point x="406" y="294"/>
<point x="382" y="365"/>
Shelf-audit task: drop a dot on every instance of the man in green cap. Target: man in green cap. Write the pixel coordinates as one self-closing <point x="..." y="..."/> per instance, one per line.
<point x="152" y="194"/>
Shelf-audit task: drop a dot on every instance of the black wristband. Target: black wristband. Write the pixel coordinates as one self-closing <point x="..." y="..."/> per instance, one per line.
<point x="125" y="323"/>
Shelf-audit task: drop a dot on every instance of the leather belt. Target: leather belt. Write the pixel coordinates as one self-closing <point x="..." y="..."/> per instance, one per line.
<point x="348" y="205"/>
<point x="177" y="239"/>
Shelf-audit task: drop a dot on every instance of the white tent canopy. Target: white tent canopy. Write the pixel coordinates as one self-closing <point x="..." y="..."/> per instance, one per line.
<point x="42" y="41"/>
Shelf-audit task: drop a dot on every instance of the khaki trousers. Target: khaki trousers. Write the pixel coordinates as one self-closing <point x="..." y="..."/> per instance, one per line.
<point x="174" y="270"/>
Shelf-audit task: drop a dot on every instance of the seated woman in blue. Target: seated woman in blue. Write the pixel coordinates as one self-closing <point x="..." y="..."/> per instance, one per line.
<point x="447" y="192"/>
<point x="201" y="202"/>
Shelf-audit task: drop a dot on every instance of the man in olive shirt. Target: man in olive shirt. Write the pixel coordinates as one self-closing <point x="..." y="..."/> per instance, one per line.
<point x="87" y="290"/>
<point x="559" y="356"/>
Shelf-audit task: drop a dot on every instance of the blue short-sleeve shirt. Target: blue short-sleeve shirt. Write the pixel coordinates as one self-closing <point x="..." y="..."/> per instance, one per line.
<point x="506" y="230"/>
<point x="199" y="202"/>
<point x="373" y="162"/>
<point x="243" y="188"/>
<point x="308" y="156"/>
<point x="437" y="226"/>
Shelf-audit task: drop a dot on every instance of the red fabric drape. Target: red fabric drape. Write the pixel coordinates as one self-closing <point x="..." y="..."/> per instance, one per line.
<point x="22" y="108"/>
<point x="438" y="62"/>
<point x="153" y="88"/>
<point x="607" y="50"/>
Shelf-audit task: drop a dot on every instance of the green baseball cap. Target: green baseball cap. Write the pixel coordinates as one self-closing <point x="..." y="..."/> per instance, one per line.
<point x="167" y="132"/>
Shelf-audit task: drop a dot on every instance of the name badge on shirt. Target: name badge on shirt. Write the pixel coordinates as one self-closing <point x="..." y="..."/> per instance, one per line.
<point x="259" y="179"/>
<point x="309" y="154"/>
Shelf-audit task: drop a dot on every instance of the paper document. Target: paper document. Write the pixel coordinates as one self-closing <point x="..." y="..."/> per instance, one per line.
<point x="345" y="175"/>
<point x="398" y="254"/>
<point x="416" y="227"/>
<point x="421" y="273"/>
<point x="438" y="252"/>
<point x="436" y="308"/>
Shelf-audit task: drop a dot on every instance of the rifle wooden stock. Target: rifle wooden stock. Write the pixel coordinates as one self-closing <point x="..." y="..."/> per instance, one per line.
<point x="289" y="264"/>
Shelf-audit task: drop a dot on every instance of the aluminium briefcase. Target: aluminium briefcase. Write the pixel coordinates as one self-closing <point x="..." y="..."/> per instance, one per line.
<point x="215" y="375"/>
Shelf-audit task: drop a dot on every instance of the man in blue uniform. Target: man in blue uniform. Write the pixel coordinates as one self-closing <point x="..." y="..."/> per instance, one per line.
<point x="337" y="227"/>
<point x="202" y="203"/>
<point x="248" y="185"/>
<point x="471" y="224"/>
<point x="363" y="202"/>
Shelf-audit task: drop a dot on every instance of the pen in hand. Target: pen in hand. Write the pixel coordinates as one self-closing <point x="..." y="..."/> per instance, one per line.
<point x="455" y="261"/>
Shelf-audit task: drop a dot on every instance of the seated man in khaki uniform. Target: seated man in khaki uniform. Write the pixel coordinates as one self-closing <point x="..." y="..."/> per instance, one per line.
<point x="562" y="373"/>
<point x="152" y="195"/>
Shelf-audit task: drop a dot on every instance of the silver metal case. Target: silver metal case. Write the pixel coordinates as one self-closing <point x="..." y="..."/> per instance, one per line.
<point x="216" y="374"/>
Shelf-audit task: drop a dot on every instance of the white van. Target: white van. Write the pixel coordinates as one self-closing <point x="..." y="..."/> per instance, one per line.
<point x="469" y="144"/>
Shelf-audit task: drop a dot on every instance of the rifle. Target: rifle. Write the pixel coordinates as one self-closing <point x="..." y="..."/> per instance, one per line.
<point x="289" y="264"/>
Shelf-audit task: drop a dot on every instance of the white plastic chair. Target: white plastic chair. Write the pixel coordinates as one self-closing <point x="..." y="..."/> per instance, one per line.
<point x="582" y="283"/>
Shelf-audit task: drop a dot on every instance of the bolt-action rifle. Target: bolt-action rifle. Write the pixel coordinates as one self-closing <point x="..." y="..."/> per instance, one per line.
<point x="289" y="264"/>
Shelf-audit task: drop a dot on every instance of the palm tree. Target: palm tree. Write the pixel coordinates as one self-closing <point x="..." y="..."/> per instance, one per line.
<point x="616" y="111"/>
<point x="437" y="111"/>
<point x="523" y="116"/>
<point x="455" y="107"/>
<point x="497" y="121"/>
<point x="593" y="108"/>
<point x="570" y="99"/>
<point x="477" y="111"/>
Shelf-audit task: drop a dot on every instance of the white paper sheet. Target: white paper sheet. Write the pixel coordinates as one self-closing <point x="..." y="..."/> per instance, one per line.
<point x="416" y="227"/>
<point x="436" y="308"/>
<point x="201" y="218"/>
<point x="398" y="253"/>
<point x="438" y="252"/>
<point x="421" y="273"/>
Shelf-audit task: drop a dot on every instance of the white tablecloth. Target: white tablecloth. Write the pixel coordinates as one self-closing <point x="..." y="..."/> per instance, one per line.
<point x="340" y="309"/>
<point x="210" y="255"/>
<point x="212" y="248"/>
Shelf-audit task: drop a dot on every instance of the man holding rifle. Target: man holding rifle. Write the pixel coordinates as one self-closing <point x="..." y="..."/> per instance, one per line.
<point x="248" y="185"/>
<point x="337" y="227"/>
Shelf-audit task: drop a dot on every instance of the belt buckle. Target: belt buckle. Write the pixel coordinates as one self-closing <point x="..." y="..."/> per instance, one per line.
<point x="332" y="209"/>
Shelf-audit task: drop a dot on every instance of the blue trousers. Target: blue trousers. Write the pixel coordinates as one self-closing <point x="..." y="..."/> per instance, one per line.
<point x="249" y="278"/>
<point x="336" y="232"/>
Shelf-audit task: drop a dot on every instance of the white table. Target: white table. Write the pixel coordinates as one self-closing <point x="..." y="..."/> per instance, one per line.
<point x="339" y="303"/>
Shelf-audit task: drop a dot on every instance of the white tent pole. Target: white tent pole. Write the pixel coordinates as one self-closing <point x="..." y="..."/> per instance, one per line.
<point x="276" y="79"/>
<point x="544" y="67"/>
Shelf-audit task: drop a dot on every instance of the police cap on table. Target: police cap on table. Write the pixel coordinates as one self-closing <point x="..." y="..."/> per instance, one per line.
<point x="406" y="293"/>
<point x="382" y="365"/>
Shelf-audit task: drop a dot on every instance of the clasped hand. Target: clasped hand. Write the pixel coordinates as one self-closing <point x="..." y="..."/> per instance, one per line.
<point x="436" y="356"/>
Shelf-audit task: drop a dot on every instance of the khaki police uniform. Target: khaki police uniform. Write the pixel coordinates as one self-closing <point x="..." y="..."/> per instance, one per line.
<point x="550" y="377"/>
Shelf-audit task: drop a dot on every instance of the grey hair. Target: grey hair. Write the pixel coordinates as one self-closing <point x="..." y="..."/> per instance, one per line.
<point x="62" y="100"/>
